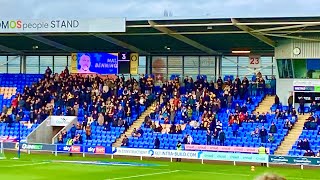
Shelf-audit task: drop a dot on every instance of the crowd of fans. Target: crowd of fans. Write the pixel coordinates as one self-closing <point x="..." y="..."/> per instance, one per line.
<point x="202" y="102"/>
<point x="104" y="101"/>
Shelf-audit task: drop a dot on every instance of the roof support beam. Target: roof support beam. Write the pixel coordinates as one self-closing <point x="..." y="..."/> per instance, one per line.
<point x="120" y="43"/>
<point x="223" y="24"/>
<point x="285" y="27"/>
<point x="258" y="35"/>
<point x="294" y="37"/>
<point x="50" y="43"/>
<point x="10" y="50"/>
<point x="184" y="39"/>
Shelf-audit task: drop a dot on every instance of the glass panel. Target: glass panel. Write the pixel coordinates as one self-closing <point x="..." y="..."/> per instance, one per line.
<point x="207" y="61"/>
<point x="142" y="68"/>
<point x="191" y="66"/>
<point x="60" y="63"/>
<point x="45" y="61"/>
<point x="191" y="61"/>
<point x="266" y="63"/>
<point x="285" y="68"/>
<point x="313" y="68"/>
<point x="177" y="71"/>
<point x="175" y="61"/>
<point x="243" y="67"/>
<point x="32" y="65"/>
<point x="299" y="68"/>
<point x="3" y="64"/>
<point x="229" y="61"/>
<point x="209" y="71"/>
<point x="142" y="61"/>
<point x="14" y="64"/>
<point x="229" y="66"/>
<point x="191" y="72"/>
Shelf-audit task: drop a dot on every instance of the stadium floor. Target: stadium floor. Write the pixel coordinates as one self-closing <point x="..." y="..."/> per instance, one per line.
<point x="49" y="167"/>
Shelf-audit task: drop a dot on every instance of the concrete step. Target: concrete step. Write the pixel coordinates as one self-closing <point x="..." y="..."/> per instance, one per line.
<point x="136" y="125"/>
<point x="292" y="137"/>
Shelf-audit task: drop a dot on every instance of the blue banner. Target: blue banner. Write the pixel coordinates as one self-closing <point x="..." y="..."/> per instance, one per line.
<point x="98" y="63"/>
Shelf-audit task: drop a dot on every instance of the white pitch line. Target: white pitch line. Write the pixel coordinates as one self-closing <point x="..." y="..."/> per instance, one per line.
<point x="143" y="175"/>
<point x="22" y="165"/>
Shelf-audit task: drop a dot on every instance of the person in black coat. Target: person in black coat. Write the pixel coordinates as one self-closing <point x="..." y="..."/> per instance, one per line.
<point x="263" y="135"/>
<point x="157" y="143"/>
<point x="302" y="101"/>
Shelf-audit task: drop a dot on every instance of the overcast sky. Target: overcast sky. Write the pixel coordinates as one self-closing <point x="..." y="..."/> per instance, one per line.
<point x="135" y="9"/>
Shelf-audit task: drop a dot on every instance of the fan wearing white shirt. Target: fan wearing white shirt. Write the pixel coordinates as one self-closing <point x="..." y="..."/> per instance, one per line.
<point x="190" y="139"/>
<point x="219" y="126"/>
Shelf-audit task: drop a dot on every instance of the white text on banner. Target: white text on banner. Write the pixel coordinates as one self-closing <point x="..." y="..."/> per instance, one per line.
<point x="238" y="157"/>
<point x="156" y="153"/>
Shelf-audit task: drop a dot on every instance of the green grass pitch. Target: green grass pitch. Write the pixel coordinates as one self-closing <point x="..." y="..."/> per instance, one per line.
<point x="48" y="167"/>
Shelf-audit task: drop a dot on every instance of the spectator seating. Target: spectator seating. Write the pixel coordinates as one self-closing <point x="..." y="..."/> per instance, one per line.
<point x="10" y="84"/>
<point x="11" y="132"/>
<point x="100" y="137"/>
<point x="244" y="139"/>
<point x="285" y="108"/>
<point x="311" y="136"/>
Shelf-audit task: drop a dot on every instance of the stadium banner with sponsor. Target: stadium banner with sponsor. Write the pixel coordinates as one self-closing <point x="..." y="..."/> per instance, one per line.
<point x="62" y="25"/>
<point x="156" y="153"/>
<point x="36" y="147"/>
<point x="309" y="161"/>
<point x="70" y="149"/>
<point x="94" y="63"/>
<point x="189" y="147"/>
<point x="134" y="63"/>
<point x="10" y="145"/>
<point x="237" y="157"/>
<point x="97" y="149"/>
<point x="60" y="120"/>
<point x="306" y="85"/>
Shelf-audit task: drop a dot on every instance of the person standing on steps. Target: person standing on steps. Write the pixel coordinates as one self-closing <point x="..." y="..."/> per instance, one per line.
<point x="290" y="103"/>
<point x="302" y="101"/>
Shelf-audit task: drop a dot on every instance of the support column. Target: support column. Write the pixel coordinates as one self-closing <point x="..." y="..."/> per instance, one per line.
<point x="148" y="65"/>
<point x="23" y="64"/>
<point x="218" y="67"/>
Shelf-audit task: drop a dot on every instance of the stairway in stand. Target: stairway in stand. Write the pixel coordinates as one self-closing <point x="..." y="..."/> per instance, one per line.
<point x="265" y="104"/>
<point x="136" y="124"/>
<point x="292" y="137"/>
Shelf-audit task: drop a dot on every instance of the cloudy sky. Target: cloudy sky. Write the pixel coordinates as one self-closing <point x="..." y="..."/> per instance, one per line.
<point x="135" y="9"/>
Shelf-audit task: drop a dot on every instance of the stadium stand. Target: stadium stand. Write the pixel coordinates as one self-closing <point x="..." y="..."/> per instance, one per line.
<point x="12" y="86"/>
<point x="199" y="112"/>
<point x="110" y="109"/>
<point x="196" y="115"/>
<point x="308" y="143"/>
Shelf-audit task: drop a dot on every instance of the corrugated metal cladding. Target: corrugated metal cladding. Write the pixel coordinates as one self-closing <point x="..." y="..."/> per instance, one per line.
<point x="308" y="49"/>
